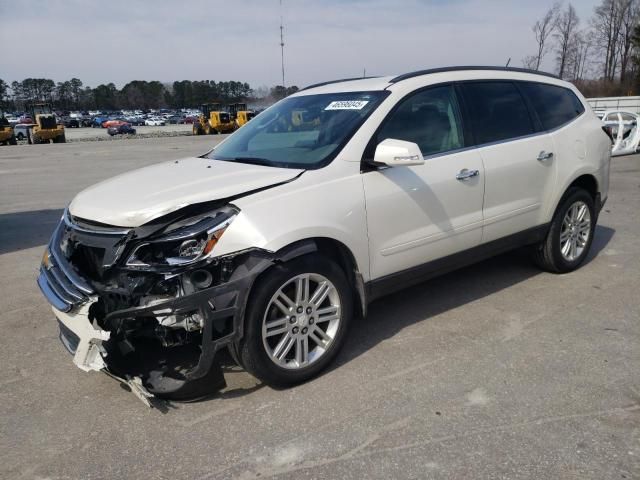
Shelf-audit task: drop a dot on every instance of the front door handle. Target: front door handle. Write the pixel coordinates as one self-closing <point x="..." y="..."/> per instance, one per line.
<point x="466" y="174"/>
<point x="542" y="156"/>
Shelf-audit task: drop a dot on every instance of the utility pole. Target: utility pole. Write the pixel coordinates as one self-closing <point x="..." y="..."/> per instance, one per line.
<point x="282" y="43"/>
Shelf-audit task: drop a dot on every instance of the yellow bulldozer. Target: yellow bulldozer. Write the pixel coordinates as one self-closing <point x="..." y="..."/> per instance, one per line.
<point x="45" y="126"/>
<point x="7" y="136"/>
<point x="213" y="120"/>
<point x="239" y="114"/>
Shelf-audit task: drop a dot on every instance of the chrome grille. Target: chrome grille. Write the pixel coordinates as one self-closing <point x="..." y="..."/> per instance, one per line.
<point x="63" y="291"/>
<point x="58" y="280"/>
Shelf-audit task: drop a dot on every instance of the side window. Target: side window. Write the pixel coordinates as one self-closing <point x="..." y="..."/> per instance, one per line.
<point x="554" y="105"/>
<point x="430" y="118"/>
<point x="497" y="110"/>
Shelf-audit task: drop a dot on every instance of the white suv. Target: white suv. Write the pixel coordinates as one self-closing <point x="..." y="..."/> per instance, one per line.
<point x="346" y="191"/>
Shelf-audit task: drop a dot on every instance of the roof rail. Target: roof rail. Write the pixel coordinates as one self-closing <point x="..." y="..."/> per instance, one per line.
<point x="418" y="73"/>
<point x="322" y="84"/>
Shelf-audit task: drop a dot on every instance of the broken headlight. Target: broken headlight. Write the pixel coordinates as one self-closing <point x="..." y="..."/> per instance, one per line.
<point x="184" y="243"/>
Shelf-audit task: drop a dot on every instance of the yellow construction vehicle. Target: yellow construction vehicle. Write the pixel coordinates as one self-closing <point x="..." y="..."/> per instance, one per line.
<point x="239" y="114"/>
<point x="7" y="137"/>
<point x="305" y="119"/>
<point x="213" y="120"/>
<point x="45" y="126"/>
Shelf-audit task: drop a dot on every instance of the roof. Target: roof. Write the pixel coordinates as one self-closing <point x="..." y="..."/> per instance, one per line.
<point x="381" y="83"/>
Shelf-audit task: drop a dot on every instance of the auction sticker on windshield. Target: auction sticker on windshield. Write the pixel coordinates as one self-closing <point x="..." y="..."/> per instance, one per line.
<point x="347" y="105"/>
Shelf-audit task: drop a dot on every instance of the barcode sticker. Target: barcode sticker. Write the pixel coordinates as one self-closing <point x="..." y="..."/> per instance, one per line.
<point x="347" y="105"/>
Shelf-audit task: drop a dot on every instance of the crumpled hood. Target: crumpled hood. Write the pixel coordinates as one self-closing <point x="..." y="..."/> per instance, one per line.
<point x="137" y="197"/>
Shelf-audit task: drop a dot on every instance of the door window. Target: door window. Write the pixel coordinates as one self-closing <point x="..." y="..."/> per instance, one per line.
<point x="497" y="110"/>
<point x="430" y="118"/>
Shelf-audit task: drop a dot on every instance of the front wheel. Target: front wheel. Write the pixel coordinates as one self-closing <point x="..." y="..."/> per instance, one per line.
<point x="570" y="234"/>
<point x="296" y="321"/>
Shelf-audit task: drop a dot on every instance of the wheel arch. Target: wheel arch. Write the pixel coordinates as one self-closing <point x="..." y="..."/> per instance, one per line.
<point x="584" y="180"/>
<point x="587" y="182"/>
<point x="333" y="249"/>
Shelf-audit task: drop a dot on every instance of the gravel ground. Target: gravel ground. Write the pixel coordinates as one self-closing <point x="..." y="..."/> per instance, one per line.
<point x="143" y="131"/>
<point x="494" y="371"/>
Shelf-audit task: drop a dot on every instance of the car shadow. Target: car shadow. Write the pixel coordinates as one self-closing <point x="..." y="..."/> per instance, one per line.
<point x="22" y="230"/>
<point x="389" y="315"/>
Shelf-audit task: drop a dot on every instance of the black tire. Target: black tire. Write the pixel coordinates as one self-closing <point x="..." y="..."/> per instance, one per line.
<point x="20" y="136"/>
<point x="251" y="352"/>
<point x="547" y="254"/>
<point x="13" y="141"/>
<point x="62" y="138"/>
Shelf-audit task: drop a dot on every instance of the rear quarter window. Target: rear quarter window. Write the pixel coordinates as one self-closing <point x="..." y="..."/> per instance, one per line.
<point x="555" y="106"/>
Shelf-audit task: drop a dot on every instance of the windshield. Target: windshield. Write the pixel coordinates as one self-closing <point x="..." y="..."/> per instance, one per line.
<point x="300" y="132"/>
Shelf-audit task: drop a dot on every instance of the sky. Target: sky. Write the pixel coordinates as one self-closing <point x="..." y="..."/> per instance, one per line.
<point x="118" y="41"/>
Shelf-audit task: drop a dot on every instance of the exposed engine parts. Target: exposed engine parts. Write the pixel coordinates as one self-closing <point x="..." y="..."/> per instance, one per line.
<point x="165" y="304"/>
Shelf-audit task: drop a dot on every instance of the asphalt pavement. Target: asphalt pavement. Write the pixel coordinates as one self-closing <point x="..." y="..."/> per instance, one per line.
<point x="494" y="371"/>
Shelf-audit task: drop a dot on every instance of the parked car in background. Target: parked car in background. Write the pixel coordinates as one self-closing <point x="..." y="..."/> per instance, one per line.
<point x="70" y="122"/>
<point x="124" y="129"/>
<point x="135" y="120"/>
<point x="113" y="123"/>
<point x="98" y="121"/>
<point x="21" y="131"/>
<point x="155" y="121"/>
<point x="190" y="120"/>
<point x="174" y="119"/>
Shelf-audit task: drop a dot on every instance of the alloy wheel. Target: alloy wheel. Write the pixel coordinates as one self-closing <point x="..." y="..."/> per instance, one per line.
<point x="575" y="231"/>
<point x="301" y="321"/>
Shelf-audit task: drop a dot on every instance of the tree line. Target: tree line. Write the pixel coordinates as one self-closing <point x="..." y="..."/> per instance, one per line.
<point x="600" y="55"/>
<point x="138" y="94"/>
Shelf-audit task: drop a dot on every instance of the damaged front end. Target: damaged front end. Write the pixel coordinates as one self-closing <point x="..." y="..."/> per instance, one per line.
<point x="151" y="305"/>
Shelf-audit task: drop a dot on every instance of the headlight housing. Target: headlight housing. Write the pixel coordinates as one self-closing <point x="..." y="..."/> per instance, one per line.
<point x="184" y="243"/>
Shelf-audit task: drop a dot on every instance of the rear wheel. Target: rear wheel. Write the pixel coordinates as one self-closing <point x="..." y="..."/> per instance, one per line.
<point x="195" y="129"/>
<point x="570" y="235"/>
<point x="207" y="129"/>
<point x="296" y="320"/>
<point x="12" y="140"/>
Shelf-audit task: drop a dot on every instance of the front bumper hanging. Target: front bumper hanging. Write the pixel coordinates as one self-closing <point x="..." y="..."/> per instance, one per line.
<point x="221" y="308"/>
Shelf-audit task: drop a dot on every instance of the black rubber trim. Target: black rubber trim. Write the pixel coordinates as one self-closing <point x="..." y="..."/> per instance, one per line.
<point x="397" y="281"/>
<point x="429" y="71"/>
<point x="322" y="84"/>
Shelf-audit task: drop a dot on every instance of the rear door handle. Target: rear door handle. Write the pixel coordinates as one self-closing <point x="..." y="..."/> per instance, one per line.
<point x="466" y="174"/>
<point x="542" y="156"/>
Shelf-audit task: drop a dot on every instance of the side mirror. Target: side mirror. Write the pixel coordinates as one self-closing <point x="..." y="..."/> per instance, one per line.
<point x="398" y="153"/>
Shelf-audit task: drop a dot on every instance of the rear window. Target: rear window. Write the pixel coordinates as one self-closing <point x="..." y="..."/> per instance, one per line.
<point x="497" y="110"/>
<point x="555" y="106"/>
